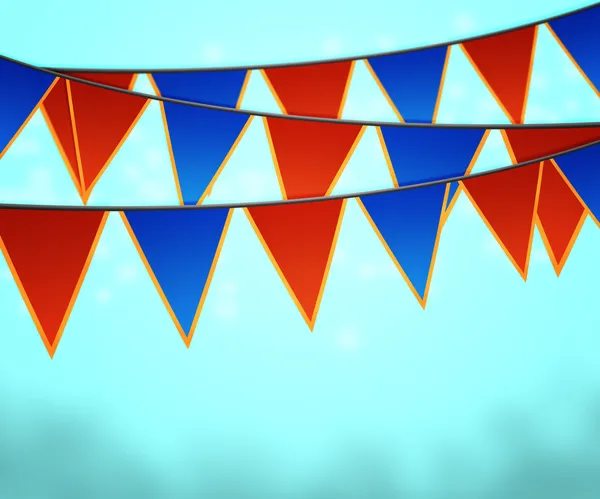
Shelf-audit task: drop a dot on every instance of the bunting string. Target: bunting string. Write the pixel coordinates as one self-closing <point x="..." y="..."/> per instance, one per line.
<point x="411" y="80"/>
<point x="48" y="250"/>
<point x="90" y="121"/>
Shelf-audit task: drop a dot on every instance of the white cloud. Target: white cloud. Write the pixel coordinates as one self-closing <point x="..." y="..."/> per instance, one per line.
<point x="102" y="251"/>
<point x="132" y="173"/>
<point x="539" y="82"/>
<point x="26" y="146"/>
<point x="5" y="274"/>
<point x="154" y="158"/>
<point x="103" y="295"/>
<point x="332" y="46"/>
<point x="455" y="91"/>
<point x="213" y="53"/>
<point x="539" y="255"/>
<point x="348" y="339"/>
<point x="226" y="303"/>
<point x="464" y="23"/>
<point x="155" y="192"/>
<point x="386" y="42"/>
<point x="126" y="273"/>
<point x="491" y="246"/>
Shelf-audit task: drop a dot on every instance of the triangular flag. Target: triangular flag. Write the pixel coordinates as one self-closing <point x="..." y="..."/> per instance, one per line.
<point x="300" y="240"/>
<point x="507" y="202"/>
<point x="408" y="223"/>
<point x="48" y="253"/>
<point x="578" y="35"/>
<point x="21" y="91"/>
<point x="201" y="142"/>
<point x="534" y="143"/>
<point x="412" y="81"/>
<point x="180" y="250"/>
<point x="504" y="63"/>
<point x="317" y="90"/>
<point x="581" y="168"/>
<point x="216" y="88"/>
<point x="57" y="113"/>
<point x="309" y="155"/>
<point x="418" y="155"/>
<point x="100" y="121"/>
<point x="560" y="215"/>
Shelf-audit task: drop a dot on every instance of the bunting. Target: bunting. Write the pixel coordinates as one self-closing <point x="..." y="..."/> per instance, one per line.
<point x="180" y="251"/>
<point x="48" y="253"/>
<point x="22" y="90"/>
<point x="300" y="240"/>
<point x="310" y="156"/>
<point x="560" y="215"/>
<point x="578" y="36"/>
<point x="497" y="56"/>
<point x="216" y="88"/>
<point x="580" y="169"/>
<point x="412" y="82"/>
<point x="316" y="90"/>
<point x="90" y="124"/>
<point x="201" y="141"/>
<point x="507" y="202"/>
<point x="412" y="159"/>
<point x="408" y="224"/>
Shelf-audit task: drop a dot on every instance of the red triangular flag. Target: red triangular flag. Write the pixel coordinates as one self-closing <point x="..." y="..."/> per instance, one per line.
<point x="507" y="202"/>
<point x="100" y="119"/>
<point x="317" y="90"/>
<point x="504" y="63"/>
<point x="300" y="240"/>
<point x="57" y="113"/>
<point x="560" y="215"/>
<point x="529" y="144"/>
<point x="48" y="253"/>
<point x="310" y="156"/>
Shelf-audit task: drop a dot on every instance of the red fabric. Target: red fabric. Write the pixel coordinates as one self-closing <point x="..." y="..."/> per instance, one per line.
<point x="300" y="238"/>
<point x="559" y="212"/>
<point x="533" y="143"/>
<point x="504" y="61"/>
<point x="310" y="154"/>
<point x="507" y="202"/>
<point x="317" y="90"/>
<point x="49" y="251"/>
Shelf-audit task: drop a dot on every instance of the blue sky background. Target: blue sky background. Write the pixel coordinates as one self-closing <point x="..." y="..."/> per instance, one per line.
<point x="492" y="392"/>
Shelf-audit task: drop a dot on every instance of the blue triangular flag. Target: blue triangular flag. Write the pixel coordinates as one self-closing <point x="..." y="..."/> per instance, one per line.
<point x="200" y="140"/>
<point x="217" y="88"/>
<point x="580" y="36"/>
<point x="409" y="222"/>
<point x="21" y="89"/>
<point x="180" y="249"/>
<point x="452" y="188"/>
<point x="582" y="169"/>
<point x="412" y="81"/>
<point x="419" y="155"/>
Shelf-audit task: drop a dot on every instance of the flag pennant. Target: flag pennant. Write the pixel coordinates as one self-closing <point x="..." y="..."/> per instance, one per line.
<point x="48" y="253"/>
<point x="201" y="142"/>
<point x="412" y="82"/>
<point x="560" y="215"/>
<point x="22" y="89"/>
<point x="507" y="202"/>
<point x="91" y="123"/>
<point x="216" y="88"/>
<point x="315" y="90"/>
<point x="408" y="224"/>
<point x="180" y="250"/>
<point x="532" y="143"/>
<point x="578" y="35"/>
<point x="581" y="170"/>
<point x="310" y="156"/>
<point x="418" y="155"/>
<point x="300" y="240"/>
<point x="504" y="63"/>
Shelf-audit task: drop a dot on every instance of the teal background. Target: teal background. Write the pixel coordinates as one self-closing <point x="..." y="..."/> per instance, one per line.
<point x="492" y="392"/>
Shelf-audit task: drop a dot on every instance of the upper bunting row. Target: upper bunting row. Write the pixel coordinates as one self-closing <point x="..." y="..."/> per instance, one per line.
<point x="412" y="81"/>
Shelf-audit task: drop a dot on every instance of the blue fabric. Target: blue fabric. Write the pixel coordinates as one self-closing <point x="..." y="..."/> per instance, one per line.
<point x="21" y="89"/>
<point x="180" y="247"/>
<point x="408" y="222"/>
<point x="412" y="80"/>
